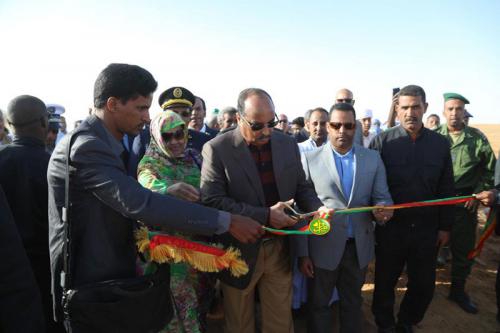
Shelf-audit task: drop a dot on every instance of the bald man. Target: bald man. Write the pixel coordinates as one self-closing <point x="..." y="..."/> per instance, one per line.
<point x="24" y="180"/>
<point x="344" y="95"/>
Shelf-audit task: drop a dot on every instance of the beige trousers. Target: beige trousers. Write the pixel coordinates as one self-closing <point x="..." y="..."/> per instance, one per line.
<point x="273" y="280"/>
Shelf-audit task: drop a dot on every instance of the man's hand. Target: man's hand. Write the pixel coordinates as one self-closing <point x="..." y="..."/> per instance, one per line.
<point x="487" y="198"/>
<point x="184" y="191"/>
<point x="245" y="229"/>
<point x="278" y="219"/>
<point x="325" y="210"/>
<point x="472" y="205"/>
<point x="306" y="266"/>
<point x="443" y="238"/>
<point x="382" y="215"/>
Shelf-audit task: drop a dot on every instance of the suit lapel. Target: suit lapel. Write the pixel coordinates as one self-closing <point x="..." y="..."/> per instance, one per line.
<point x="359" y="160"/>
<point x="332" y="168"/>
<point x="246" y="162"/>
<point x="278" y="163"/>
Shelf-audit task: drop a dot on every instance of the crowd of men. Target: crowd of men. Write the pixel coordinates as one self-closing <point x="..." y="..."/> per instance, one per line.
<point x="255" y="164"/>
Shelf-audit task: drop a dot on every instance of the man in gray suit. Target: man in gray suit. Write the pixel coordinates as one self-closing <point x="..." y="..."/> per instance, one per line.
<point x="105" y="202"/>
<point x="251" y="171"/>
<point x="344" y="175"/>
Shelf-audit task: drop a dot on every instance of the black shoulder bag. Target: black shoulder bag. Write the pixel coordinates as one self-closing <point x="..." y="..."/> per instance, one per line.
<point x="133" y="305"/>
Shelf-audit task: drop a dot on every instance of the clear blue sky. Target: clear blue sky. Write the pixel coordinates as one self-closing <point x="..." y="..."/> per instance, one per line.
<point x="300" y="52"/>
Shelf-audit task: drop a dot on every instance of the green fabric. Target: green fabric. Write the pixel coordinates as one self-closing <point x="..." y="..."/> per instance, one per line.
<point x="473" y="159"/>
<point x="463" y="240"/>
<point x="450" y="95"/>
<point x="158" y="169"/>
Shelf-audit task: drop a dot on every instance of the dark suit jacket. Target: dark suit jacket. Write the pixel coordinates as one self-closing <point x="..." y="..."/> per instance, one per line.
<point x="24" y="179"/>
<point x="105" y="204"/>
<point x="20" y="306"/>
<point x="210" y="131"/>
<point x="230" y="182"/>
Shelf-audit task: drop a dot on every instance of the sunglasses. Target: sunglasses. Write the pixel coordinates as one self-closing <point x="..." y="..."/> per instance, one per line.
<point x="184" y="113"/>
<point x="259" y="126"/>
<point x="178" y="135"/>
<point x="345" y="100"/>
<point x="282" y="121"/>
<point x="347" y="126"/>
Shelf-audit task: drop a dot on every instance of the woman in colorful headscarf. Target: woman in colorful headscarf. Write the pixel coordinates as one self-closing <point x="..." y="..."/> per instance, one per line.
<point x="169" y="168"/>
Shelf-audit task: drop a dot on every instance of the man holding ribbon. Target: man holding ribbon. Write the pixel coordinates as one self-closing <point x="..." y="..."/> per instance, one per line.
<point x="254" y="170"/>
<point x="344" y="175"/>
<point x="473" y="170"/>
<point x="418" y="165"/>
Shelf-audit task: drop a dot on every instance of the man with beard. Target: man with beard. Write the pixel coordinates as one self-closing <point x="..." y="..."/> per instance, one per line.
<point x="473" y="170"/>
<point x="418" y="165"/>
<point x="315" y="123"/>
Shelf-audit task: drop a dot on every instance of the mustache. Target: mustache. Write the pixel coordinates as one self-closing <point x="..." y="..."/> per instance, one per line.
<point x="263" y="137"/>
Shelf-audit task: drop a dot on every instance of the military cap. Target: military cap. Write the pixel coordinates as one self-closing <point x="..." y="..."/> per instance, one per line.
<point x="24" y="110"/>
<point x="176" y="96"/>
<point x="55" y="109"/>
<point x="448" y="96"/>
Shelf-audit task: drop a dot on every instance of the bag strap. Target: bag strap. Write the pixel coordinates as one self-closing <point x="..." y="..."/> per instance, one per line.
<point x="65" y="274"/>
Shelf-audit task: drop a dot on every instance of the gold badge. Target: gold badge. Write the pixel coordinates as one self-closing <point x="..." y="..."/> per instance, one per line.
<point x="177" y="92"/>
<point x="320" y="226"/>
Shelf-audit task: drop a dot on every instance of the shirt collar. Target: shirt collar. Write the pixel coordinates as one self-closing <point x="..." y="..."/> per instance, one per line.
<point x="28" y="141"/>
<point x="348" y="154"/>
<point x="116" y="146"/>
<point x="204" y="128"/>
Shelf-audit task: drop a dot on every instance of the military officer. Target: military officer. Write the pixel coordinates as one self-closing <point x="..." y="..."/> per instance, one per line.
<point x="473" y="168"/>
<point x="181" y="101"/>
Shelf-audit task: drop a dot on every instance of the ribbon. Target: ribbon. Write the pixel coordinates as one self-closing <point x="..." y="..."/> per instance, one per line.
<point x="317" y="227"/>
<point x="163" y="248"/>
<point x="489" y="227"/>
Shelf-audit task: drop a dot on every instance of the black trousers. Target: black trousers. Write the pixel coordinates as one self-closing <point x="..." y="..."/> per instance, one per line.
<point x="348" y="278"/>
<point x="397" y="246"/>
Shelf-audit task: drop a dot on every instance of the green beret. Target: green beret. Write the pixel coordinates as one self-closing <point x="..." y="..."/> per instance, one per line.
<point x="448" y="96"/>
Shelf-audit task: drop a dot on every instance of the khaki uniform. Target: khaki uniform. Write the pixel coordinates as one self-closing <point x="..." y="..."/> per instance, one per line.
<point x="473" y="169"/>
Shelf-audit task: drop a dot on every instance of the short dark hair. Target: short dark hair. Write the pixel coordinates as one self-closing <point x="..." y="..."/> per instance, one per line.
<point x="202" y="103"/>
<point x="248" y="92"/>
<point x="298" y="121"/>
<point x="434" y="115"/>
<point x="345" y="107"/>
<point x="413" y="90"/>
<point x="309" y="113"/>
<point x="124" y="82"/>
<point x="229" y="109"/>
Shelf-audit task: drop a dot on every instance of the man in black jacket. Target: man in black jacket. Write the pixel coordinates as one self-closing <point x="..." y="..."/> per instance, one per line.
<point x="418" y="165"/>
<point x="105" y="202"/>
<point x="20" y="306"/>
<point x="24" y="179"/>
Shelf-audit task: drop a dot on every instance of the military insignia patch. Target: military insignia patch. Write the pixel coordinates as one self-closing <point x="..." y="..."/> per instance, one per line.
<point x="177" y="92"/>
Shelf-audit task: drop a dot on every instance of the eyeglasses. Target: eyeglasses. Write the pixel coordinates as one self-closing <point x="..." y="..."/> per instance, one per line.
<point x="259" y="126"/>
<point x="345" y="100"/>
<point x="281" y="121"/>
<point x="347" y="126"/>
<point x="177" y="135"/>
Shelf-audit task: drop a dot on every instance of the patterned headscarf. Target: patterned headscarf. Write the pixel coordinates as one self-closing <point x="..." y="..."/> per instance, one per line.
<point x="159" y="169"/>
